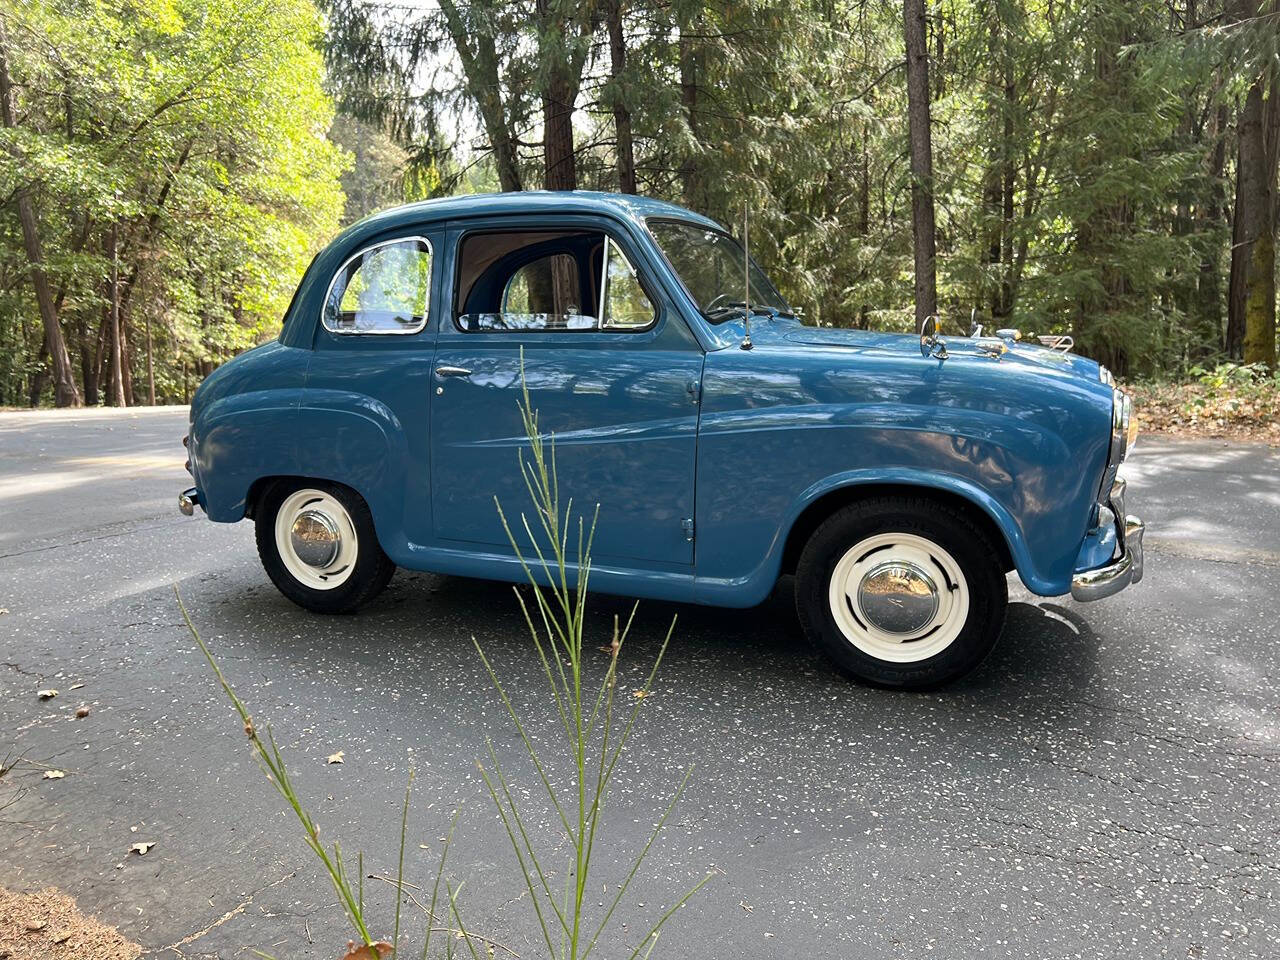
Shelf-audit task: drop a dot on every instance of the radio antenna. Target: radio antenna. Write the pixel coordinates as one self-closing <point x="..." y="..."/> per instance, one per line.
<point x="746" y="283"/>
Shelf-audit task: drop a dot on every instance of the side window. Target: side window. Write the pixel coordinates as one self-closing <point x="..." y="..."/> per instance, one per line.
<point x="543" y="295"/>
<point x="624" y="304"/>
<point x="537" y="280"/>
<point x="382" y="289"/>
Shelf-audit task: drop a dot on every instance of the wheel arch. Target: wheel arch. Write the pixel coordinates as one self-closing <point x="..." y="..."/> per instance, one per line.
<point x="826" y="502"/>
<point x="260" y="487"/>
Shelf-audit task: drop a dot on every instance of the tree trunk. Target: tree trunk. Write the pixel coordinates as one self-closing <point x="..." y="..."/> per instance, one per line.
<point x="560" y="91"/>
<point x="66" y="394"/>
<point x="1008" y="184"/>
<point x="115" y="391"/>
<point x="561" y="168"/>
<point x="126" y="359"/>
<point x="1251" y="300"/>
<point x="151" y="371"/>
<point x="923" y="227"/>
<point x="88" y="359"/>
<point x="621" y="113"/>
<point x="1208" y="308"/>
<point x="40" y="376"/>
<point x="690" y="68"/>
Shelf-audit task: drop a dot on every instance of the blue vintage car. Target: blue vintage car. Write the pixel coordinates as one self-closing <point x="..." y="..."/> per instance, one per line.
<point x="899" y="478"/>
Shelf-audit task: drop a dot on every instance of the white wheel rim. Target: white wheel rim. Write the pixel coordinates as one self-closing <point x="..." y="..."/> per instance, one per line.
<point x="316" y="539"/>
<point x="880" y="576"/>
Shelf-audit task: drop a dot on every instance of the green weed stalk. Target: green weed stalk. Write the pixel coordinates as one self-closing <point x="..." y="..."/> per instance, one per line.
<point x="593" y="733"/>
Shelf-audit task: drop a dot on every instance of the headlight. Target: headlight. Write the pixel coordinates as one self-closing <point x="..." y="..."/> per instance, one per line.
<point x="1124" y="430"/>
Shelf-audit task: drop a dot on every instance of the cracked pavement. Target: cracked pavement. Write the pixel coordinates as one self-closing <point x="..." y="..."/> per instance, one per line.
<point x="1104" y="786"/>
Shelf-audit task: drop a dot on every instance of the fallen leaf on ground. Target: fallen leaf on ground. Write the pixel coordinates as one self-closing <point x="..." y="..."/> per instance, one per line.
<point x="371" y="952"/>
<point x="336" y="757"/>
<point x="54" y="774"/>
<point x="46" y="694"/>
<point x="82" y="712"/>
<point x="141" y="848"/>
<point x="641" y="694"/>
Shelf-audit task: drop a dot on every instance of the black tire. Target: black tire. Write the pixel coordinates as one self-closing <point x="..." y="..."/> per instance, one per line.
<point x="955" y="532"/>
<point x="369" y="573"/>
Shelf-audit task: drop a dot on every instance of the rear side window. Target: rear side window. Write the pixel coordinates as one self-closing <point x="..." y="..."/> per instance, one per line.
<point x="385" y="288"/>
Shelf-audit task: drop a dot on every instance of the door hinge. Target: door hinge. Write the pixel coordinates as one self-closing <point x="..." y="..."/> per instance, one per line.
<point x="687" y="526"/>
<point x="694" y="387"/>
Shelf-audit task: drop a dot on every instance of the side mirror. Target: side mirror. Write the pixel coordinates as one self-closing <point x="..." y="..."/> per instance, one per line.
<point x="931" y="344"/>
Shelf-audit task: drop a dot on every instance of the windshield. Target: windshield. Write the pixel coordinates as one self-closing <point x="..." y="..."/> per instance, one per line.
<point x="709" y="263"/>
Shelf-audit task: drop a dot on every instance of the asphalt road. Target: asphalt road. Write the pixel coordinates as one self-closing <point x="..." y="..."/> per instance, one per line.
<point x="1107" y="785"/>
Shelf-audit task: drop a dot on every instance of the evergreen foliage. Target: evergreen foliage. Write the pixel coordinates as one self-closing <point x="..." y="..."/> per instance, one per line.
<point x="1104" y="168"/>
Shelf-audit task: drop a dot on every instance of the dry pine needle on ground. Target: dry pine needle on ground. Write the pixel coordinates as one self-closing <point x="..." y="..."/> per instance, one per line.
<point x="49" y="926"/>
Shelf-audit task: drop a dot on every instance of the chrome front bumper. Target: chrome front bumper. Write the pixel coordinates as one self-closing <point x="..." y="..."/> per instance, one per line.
<point x="1124" y="570"/>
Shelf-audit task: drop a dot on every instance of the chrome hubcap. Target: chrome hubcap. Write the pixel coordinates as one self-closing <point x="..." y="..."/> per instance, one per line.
<point x="898" y="597"/>
<point x="316" y="539"/>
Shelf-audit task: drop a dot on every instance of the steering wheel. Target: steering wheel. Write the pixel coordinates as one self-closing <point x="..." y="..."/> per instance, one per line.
<point x="712" y="305"/>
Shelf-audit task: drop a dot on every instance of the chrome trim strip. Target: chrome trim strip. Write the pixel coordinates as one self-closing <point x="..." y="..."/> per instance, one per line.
<point x="426" y="311"/>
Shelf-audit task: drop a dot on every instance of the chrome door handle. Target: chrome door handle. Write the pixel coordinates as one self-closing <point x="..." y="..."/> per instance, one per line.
<point x="443" y="372"/>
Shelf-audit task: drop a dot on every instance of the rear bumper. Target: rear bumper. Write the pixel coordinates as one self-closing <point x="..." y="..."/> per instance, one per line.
<point x="1126" y="569"/>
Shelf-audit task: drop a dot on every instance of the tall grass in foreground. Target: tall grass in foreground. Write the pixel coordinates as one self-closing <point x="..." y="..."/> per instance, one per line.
<point x="588" y="734"/>
<point x="585" y="708"/>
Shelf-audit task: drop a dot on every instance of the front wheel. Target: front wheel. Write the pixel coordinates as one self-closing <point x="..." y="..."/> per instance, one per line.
<point x="318" y="546"/>
<point x="902" y="592"/>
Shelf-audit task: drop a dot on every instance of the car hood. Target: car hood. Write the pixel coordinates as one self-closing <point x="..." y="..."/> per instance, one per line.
<point x="1032" y="356"/>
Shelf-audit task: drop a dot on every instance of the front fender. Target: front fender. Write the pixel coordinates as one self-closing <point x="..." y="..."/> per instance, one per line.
<point x="780" y="430"/>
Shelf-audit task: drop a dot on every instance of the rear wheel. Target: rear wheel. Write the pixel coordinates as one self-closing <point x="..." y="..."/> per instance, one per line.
<point x="902" y="592"/>
<point x="318" y="546"/>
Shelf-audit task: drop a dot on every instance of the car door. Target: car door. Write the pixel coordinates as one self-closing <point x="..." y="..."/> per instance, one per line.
<point x="365" y="410"/>
<point x="617" y="391"/>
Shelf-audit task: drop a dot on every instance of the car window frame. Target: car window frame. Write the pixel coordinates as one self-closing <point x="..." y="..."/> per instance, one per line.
<point x="405" y="332"/>
<point x="609" y="236"/>
<point x="609" y="245"/>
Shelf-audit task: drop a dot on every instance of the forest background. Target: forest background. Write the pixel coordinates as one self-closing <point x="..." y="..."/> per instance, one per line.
<point x="1103" y="168"/>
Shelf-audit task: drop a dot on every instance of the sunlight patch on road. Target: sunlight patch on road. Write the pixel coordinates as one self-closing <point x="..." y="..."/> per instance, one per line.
<point x="127" y="461"/>
<point x="85" y="470"/>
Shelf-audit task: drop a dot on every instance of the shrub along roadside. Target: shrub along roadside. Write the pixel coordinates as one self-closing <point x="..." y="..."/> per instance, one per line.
<point x="1231" y="401"/>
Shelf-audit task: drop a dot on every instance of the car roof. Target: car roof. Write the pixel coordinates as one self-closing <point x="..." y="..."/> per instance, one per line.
<point x="618" y="205"/>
